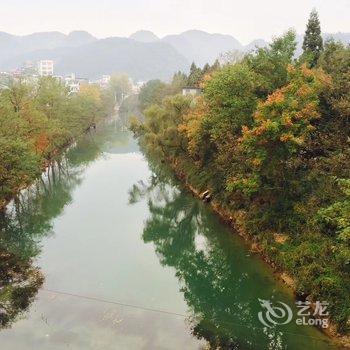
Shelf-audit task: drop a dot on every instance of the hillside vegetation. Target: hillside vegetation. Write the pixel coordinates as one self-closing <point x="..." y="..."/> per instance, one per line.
<point x="269" y="137"/>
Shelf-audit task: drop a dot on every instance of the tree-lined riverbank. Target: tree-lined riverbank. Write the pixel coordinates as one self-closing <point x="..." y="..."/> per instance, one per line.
<point x="134" y="260"/>
<point x="269" y="139"/>
<point x="37" y="122"/>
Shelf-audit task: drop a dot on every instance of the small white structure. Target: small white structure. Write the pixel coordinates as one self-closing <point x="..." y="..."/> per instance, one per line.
<point x="45" y="68"/>
<point x="136" y="87"/>
<point x="72" y="83"/>
<point x="192" y="91"/>
<point x="74" y="87"/>
<point x="106" y="79"/>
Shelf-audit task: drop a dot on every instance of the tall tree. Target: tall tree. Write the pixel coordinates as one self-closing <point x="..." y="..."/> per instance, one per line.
<point x="313" y="43"/>
<point x="195" y="76"/>
<point x="120" y="86"/>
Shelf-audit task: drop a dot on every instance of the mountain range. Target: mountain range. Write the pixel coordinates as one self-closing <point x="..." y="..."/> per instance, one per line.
<point x="143" y="55"/>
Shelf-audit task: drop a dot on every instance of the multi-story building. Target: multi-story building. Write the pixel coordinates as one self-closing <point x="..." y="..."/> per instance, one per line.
<point x="45" y="68"/>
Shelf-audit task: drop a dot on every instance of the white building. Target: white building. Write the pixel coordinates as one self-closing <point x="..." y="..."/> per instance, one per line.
<point x="106" y="79"/>
<point x="72" y="83"/>
<point x="137" y="86"/>
<point x="192" y="91"/>
<point x="45" y="68"/>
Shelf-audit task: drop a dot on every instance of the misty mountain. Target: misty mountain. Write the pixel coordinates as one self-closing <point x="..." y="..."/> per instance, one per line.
<point x="202" y="47"/>
<point x="144" y="36"/>
<point x="142" y="61"/>
<point x="13" y="45"/>
<point x="199" y="46"/>
<point x="257" y="43"/>
<point x="342" y="37"/>
<point x="143" y="55"/>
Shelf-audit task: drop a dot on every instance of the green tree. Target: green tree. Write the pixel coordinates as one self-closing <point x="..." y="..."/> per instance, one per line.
<point x="152" y="92"/>
<point x="18" y="166"/>
<point x="313" y="43"/>
<point x="230" y="95"/>
<point x="36" y="121"/>
<point x="271" y="63"/>
<point x="120" y="86"/>
<point x="51" y="97"/>
<point x="195" y="76"/>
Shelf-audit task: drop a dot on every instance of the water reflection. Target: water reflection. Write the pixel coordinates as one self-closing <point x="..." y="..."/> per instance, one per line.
<point x="220" y="282"/>
<point x="99" y="237"/>
<point x="28" y="219"/>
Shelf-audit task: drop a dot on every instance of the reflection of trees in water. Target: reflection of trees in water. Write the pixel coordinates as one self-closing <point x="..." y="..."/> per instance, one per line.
<point x="185" y="237"/>
<point x="19" y="283"/>
<point x="28" y="218"/>
<point x="25" y="222"/>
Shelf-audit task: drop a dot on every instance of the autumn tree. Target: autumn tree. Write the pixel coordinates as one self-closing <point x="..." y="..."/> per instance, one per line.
<point x="36" y="121"/>
<point x="282" y="125"/>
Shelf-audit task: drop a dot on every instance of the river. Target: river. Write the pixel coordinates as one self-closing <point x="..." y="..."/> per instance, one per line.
<point x="107" y="251"/>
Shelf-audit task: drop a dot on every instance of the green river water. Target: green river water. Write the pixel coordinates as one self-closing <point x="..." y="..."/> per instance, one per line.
<point x="106" y="251"/>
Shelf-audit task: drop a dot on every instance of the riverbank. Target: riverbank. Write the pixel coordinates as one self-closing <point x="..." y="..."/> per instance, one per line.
<point x="273" y="152"/>
<point x="46" y="164"/>
<point x="236" y="220"/>
<point x="38" y="121"/>
<point x="164" y="251"/>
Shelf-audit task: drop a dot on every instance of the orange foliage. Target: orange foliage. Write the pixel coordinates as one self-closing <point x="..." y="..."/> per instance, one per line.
<point x="307" y="72"/>
<point x="207" y="77"/>
<point x="192" y="123"/>
<point x="287" y="114"/>
<point x="275" y="98"/>
<point x="42" y="143"/>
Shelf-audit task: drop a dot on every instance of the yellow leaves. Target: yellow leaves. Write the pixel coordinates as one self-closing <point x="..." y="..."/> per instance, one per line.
<point x="294" y="104"/>
<point x="314" y="80"/>
<point x="91" y="91"/>
<point x="205" y="80"/>
<point x="291" y="69"/>
<point x="307" y="72"/>
<point x="192" y="123"/>
<point x="284" y="119"/>
<point x="308" y="112"/>
<point x="304" y="91"/>
<point x="287" y="121"/>
<point x="265" y="125"/>
<point x="299" y="140"/>
<point x="245" y="130"/>
<point x="256" y="162"/>
<point x="195" y="115"/>
<point x="286" y="137"/>
<point x="258" y="116"/>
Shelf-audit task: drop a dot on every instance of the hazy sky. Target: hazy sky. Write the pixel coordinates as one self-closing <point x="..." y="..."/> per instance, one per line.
<point x="244" y="19"/>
